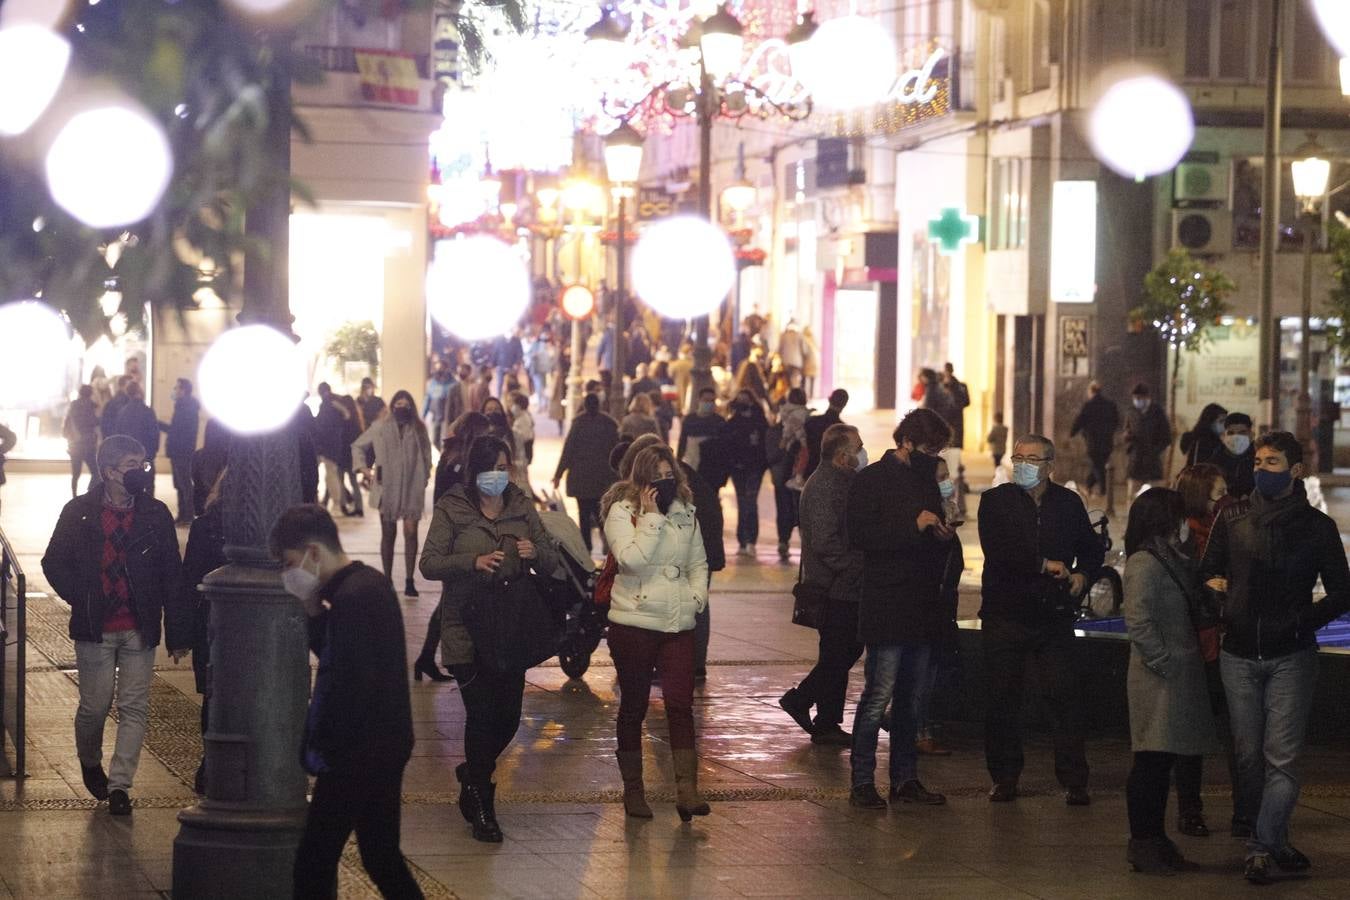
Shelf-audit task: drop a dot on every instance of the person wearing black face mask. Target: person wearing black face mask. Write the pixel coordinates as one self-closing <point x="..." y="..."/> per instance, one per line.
<point x="1265" y="556"/>
<point x="743" y="441"/>
<point x="398" y="480"/>
<point x="113" y="558"/>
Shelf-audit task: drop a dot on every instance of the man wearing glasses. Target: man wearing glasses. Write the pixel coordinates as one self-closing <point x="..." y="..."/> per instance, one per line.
<point x="1039" y="550"/>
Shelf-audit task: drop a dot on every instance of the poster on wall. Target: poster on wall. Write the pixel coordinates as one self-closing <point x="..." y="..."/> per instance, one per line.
<point x="1073" y="346"/>
<point x="1227" y="372"/>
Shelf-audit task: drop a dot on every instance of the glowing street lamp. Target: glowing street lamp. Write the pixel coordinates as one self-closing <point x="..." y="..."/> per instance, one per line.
<point x="1311" y="169"/>
<point x="623" y="155"/>
<point x="801" y="47"/>
<point x="33" y="64"/>
<point x="720" y="43"/>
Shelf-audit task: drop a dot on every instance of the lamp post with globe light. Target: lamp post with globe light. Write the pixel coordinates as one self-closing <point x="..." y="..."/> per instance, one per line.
<point x="1311" y="170"/>
<point x="623" y="164"/>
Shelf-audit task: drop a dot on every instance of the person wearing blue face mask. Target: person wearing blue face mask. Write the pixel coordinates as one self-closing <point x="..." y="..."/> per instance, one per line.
<point x="484" y="533"/>
<point x="1265" y="557"/>
<point x="1039" y="549"/>
<point x="1235" y="456"/>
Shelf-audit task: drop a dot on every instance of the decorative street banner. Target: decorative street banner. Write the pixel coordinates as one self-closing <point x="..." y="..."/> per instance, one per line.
<point x="919" y="95"/>
<point x="387" y="77"/>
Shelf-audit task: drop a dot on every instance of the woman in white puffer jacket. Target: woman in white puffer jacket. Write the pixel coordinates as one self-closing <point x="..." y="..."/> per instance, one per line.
<point x="660" y="585"/>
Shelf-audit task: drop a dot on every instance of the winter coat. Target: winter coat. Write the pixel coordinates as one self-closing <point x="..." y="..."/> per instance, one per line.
<point x="662" y="579"/>
<point x="182" y="428"/>
<point x="1199" y="446"/>
<point x="815" y="429"/>
<point x="81" y="426"/>
<point x="1097" y="421"/>
<point x="204" y="553"/>
<point x="458" y="535"/>
<point x="696" y="428"/>
<point x="1167" y="687"/>
<point x="1238" y="471"/>
<point x="708" y="511"/>
<point x="138" y="420"/>
<point x="108" y="419"/>
<point x="635" y="424"/>
<point x="507" y="354"/>
<point x="828" y="558"/>
<point x="73" y="566"/>
<point x="1272" y="552"/>
<point x="1018" y="536"/>
<point x="744" y="436"/>
<point x="958" y="398"/>
<point x="902" y="566"/>
<point x="585" y="455"/>
<point x="1147" y="435"/>
<point x="330" y="425"/>
<point x="360" y="714"/>
<point x="402" y="466"/>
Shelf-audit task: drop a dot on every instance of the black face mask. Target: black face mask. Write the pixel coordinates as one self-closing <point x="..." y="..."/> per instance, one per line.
<point x="665" y="493"/>
<point x="402" y="415"/>
<point x="137" y="481"/>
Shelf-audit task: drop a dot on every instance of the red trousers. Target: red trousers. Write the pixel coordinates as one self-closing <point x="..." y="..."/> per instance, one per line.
<point x="636" y="653"/>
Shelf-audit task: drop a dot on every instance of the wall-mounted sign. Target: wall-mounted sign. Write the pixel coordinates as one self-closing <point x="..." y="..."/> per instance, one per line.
<point x="920" y="94"/>
<point x="953" y="229"/>
<point x="655" y="203"/>
<point x="1073" y="242"/>
<point x="1073" y="346"/>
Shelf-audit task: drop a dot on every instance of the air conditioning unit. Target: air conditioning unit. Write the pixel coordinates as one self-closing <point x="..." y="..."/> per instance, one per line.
<point x="1204" y="232"/>
<point x="1201" y="182"/>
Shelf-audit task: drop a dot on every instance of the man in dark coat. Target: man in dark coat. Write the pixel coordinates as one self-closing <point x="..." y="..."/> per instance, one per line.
<point x="139" y="421"/>
<point x="895" y="520"/>
<point x="958" y="398"/>
<point x="107" y="423"/>
<point x="817" y="425"/>
<point x="830" y="562"/>
<point x="330" y="432"/>
<point x="113" y="558"/>
<point x="1235" y="456"/>
<point x="1267" y="555"/>
<point x="1097" y="421"/>
<point x="180" y="444"/>
<point x="358" y="733"/>
<point x="1147" y="436"/>
<point x="585" y="461"/>
<point x="1039" y="554"/>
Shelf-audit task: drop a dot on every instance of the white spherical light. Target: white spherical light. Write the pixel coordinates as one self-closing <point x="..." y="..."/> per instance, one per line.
<point x="849" y="63"/>
<point x="252" y="379"/>
<point x="32" y="64"/>
<point x="1335" y="18"/>
<point x="1142" y="125"/>
<point x="683" y="267"/>
<point x="35" y="351"/>
<point x="477" y="287"/>
<point x="109" y="166"/>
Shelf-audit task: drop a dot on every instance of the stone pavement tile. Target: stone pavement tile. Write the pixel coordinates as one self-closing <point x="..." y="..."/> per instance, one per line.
<point x="790" y="881"/>
<point x="91" y="875"/>
<point x="523" y="876"/>
<point x="925" y="887"/>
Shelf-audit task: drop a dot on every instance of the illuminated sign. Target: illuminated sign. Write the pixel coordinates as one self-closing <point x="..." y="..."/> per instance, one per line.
<point x="1073" y="242"/>
<point x="953" y="229"/>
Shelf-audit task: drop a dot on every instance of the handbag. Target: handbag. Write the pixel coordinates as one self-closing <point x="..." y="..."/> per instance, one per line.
<point x="604" y="583"/>
<point x="808" y="602"/>
<point x="510" y="623"/>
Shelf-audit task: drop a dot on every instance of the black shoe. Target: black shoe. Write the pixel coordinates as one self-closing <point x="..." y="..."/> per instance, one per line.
<point x="913" y="791"/>
<point x="427" y="666"/>
<point x="1003" y="792"/>
<point x="865" y="796"/>
<point x="1192" y="824"/>
<point x="1077" y="796"/>
<point x="409" y="589"/>
<point x="1240" y="828"/>
<point x="96" y="780"/>
<point x="1258" y="869"/>
<point x="831" y="736"/>
<point x="1149" y="857"/>
<point x="475" y="804"/>
<point x="119" y="804"/>
<point x="1291" y="860"/>
<point x="796" y="706"/>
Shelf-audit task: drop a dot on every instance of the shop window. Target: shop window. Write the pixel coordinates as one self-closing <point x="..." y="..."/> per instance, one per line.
<point x="1227" y="40"/>
<point x="1151" y="25"/>
<point x="1008" y="185"/>
<point x="1247" y="204"/>
<point x="1041" y="44"/>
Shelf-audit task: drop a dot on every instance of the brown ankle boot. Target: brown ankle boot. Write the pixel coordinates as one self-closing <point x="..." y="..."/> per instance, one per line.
<point x="687" y="801"/>
<point x="634" y="798"/>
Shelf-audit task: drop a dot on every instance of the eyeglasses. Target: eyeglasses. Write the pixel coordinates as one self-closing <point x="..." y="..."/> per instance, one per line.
<point x="1034" y="460"/>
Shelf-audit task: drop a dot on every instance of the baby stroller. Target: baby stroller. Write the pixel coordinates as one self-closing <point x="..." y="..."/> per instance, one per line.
<point x="581" y="622"/>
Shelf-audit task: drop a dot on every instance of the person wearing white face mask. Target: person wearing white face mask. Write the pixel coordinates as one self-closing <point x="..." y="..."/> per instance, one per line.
<point x="1147" y="435"/>
<point x="1039" y="551"/>
<point x="1235" y="456"/>
<point x="358" y="731"/>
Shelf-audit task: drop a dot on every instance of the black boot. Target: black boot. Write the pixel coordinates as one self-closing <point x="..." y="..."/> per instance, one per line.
<point x="476" y="805"/>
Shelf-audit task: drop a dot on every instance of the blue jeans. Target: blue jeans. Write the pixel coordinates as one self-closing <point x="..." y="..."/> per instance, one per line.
<point x="891" y="670"/>
<point x="1269" y="701"/>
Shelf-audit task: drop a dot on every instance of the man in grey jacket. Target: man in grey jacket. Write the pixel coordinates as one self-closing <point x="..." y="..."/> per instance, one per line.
<point x="828" y="561"/>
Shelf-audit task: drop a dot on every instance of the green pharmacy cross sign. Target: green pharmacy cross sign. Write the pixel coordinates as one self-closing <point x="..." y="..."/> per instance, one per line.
<point x="953" y="229"/>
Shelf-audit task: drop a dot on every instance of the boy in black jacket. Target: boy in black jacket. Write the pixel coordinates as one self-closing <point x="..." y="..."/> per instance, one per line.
<point x="358" y="732"/>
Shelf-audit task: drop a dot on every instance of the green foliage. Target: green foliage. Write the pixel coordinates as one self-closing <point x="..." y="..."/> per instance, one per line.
<point x="1182" y="298"/>
<point x="204" y="74"/>
<point x="1338" y="298"/>
<point x="356" y="342"/>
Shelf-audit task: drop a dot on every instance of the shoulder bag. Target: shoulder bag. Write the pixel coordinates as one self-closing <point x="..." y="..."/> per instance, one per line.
<point x="808" y="601"/>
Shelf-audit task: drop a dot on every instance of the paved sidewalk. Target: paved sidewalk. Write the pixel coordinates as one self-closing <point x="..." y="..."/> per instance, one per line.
<point x="780" y="826"/>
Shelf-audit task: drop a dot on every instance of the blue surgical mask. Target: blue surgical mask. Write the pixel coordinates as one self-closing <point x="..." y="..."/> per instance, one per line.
<point x="1272" y="484"/>
<point x="492" y="484"/>
<point x="946" y="487"/>
<point x="1025" y="475"/>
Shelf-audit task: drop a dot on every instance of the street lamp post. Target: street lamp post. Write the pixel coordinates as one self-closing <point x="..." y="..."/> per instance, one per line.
<point x="1311" y="170"/>
<point x="623" y="164"/>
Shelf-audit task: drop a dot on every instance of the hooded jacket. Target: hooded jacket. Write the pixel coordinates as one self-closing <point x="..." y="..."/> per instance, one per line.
<point x="459" y="534"/>
<point x="662" y="579"/>
<point x="1272" y="552"/>
<point x="72" y="566"/>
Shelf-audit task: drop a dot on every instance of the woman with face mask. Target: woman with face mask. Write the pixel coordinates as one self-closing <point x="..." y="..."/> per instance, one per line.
<point x="1170" y="715"/>
<point x="398" y="479"/>
<point x="660" y="586"/>
<point x="1202" y="441"/>
<point x="743" y="439"/>
<point x="483" y="531"/>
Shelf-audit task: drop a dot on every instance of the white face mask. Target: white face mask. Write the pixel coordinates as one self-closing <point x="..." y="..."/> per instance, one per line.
<point x="1237" y="444"/>
<point x="300" y="582"/>
<point x="946" y="487"/>
<point x="862" y="459"/>
<point x="1184" y="533"/>
<point x="1140" y="403"/>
